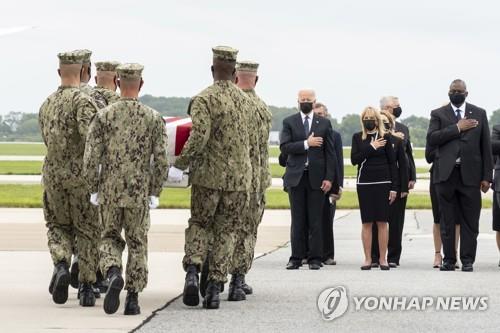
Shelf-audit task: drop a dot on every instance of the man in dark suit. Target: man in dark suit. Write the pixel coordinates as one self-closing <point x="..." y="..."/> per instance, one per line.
<point x="495" y="147"/>
<point x="310" y="172"/>
<point x="330" y="206"/>
<point x="462" y="169"/>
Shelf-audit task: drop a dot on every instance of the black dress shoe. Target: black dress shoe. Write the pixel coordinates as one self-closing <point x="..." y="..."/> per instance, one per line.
<point x="367" y="267"/>
<point x="115" y="286"/>
<point x="292" y="264"/>
<point x="393" y="265"/>
<point x="212" y="299"/>
<point x="384" y="267"/>
<point x="314" y="266"/>
<point x="246" y="287"/>
<point x="132" y="304"/>
<point x="467" y="267"/>
<point x="191" y="296"/>
<point x="61" y="283"/>
<point x="446" y="266"/>
<point x="374" y="265"/>
<point x="75" y="270"/>
<point x="236" y="293"/>
<point x="330" y="261"/>
<point x="86" y="295"/>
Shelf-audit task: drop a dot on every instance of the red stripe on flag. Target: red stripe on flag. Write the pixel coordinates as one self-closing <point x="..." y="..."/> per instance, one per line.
<point x="181" y="136"/>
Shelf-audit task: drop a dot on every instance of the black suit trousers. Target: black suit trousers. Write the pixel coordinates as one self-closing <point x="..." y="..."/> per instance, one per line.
<point x="458" y="202"/>
<point x="306" y="230"/>
<point x="328" y="238"/>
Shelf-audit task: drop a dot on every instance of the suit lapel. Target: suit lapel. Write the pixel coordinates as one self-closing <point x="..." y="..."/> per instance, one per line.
<point x="300" y="125"/>
<point x="450" y="113"/>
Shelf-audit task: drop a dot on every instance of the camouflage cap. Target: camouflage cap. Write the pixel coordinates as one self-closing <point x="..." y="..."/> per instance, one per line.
<point x="225" y="53"/>
<point x="247" y="66"/>
<point x="106" y="66"/>
<point x="86" y="55"/>
<point x="130" y="71"/>
<point x="70" y="58"/>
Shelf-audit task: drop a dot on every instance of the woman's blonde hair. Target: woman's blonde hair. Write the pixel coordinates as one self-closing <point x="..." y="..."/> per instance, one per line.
<point x="392" y="120"/>
<point x="376" y="114"/>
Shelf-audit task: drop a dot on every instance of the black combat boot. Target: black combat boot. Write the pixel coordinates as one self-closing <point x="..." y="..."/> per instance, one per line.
<point x="236" y="293"/>
<point x="52" y="280"/>
<point x="100" y="282"/>
<point x="132" y="303"/>
<point x="61" y="283"/>
<point x="75" y="270"/>
<point x="115" y="286"/>
<point x="96" y="291"/>
<point x="204" y="278"/>
<point x="246" y="288"/>
<point x="86" y="295"/>
<point x="191" y="293"/>
<point x="212" y="300"/>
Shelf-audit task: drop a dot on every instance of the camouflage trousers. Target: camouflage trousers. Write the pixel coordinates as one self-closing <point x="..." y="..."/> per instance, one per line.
<point x="135" y="222"/>
<point x="246" y="235"/>
<point x="213" y="213"/>
<point x="69" y="214"/>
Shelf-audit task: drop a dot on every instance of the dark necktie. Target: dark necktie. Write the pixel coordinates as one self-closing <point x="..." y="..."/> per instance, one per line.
<point x="306" y="126"/>
<point x="459" y="114"/>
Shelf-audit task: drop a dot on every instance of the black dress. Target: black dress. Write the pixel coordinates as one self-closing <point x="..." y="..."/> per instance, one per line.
<point x="377" y="176"/>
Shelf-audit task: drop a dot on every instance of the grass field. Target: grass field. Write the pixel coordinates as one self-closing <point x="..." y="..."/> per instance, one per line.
<point x="39" y="149"/>
<point x="349" y="171"/>
<point x="30" y="196"/>
<point x="20" y="167"/>
<point x="22" y="149"/>
<point x="35" y="167"/>
<point x="274" y="151"/>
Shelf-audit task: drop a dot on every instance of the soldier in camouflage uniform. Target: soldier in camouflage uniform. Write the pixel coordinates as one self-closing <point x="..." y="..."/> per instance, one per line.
<point x="104" y="93"/>
<point x="84" y="79"/>
<point x="64" y="119"/>
<point x="87" y="71"/>
<point x="260" y="121"/>
<point x="217" y="154"/>
<point x="126" y="165"/>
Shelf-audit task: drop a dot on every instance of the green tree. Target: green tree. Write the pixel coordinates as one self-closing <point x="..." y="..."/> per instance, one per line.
<point x="495" y="118"/>
<point x="349" y="125"/>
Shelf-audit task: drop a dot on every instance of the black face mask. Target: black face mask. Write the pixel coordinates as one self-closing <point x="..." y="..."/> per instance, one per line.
<point x="387" y="126"/>
<point x="369" y="124"/>
<point x="397" y="111"/>
<point x="457" y="99"/>
<point x="306" y="107"/>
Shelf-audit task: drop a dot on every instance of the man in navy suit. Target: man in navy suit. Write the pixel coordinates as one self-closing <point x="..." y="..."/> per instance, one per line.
<point x="307" y="141"/>
<point x="335" y="193"/>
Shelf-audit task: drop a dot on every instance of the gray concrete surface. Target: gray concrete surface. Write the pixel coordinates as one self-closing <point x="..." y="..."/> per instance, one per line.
<point x="285" y="301"/>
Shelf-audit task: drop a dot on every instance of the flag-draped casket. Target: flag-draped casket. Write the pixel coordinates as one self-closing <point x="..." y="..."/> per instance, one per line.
<point x="178" y="130"/>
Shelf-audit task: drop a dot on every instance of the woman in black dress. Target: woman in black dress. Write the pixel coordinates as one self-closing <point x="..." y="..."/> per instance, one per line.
<point x="377" y="181"/>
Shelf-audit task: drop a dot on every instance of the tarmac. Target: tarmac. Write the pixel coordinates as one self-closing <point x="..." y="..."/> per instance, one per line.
<point x="282" y="301"/>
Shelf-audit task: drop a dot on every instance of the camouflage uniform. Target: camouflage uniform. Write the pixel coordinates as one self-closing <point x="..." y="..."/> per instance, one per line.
<point x="217" y="154"/>
<point x="129" y="140"/>
<point x="260" y="120"/>
<point x="104" y="97"/>
<point x="64" y="119"/>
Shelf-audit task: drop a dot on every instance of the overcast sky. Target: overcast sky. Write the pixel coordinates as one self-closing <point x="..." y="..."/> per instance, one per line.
<point x="350" y="52"/>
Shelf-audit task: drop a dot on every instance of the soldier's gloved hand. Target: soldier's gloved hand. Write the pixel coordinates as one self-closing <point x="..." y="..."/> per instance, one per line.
<point x="175" y="175"/>
<point x="94" y="199"/>
<point x="154" y="202"/>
